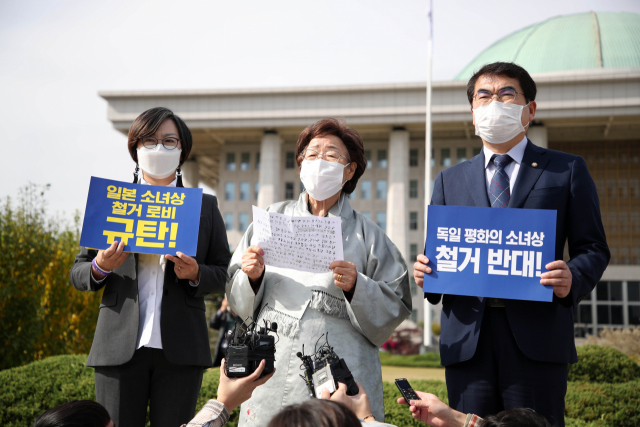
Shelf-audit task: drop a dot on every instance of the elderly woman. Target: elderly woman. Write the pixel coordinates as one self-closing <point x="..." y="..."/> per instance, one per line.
<point x="358" y="303"/>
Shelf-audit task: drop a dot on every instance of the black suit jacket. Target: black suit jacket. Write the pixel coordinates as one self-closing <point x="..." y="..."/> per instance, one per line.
<point x="561" y="182"/>
<point x="183" y="324"/>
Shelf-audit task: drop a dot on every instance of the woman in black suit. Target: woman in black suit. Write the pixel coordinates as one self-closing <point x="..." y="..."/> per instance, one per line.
<point x="151" y="343"/>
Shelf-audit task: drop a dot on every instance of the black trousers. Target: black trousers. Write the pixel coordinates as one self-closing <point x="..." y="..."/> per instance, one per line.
<point x="500" y="377"/>
<point x="170" y="390"/>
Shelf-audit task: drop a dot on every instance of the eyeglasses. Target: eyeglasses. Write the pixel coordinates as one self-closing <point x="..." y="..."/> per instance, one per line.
<point x="506" y="96"/>
<point x="168" y="143"/>
<point x="329" y="156"/>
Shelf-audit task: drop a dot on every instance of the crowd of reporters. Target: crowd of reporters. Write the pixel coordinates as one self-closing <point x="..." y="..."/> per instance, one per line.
<point x="332" y="410"/>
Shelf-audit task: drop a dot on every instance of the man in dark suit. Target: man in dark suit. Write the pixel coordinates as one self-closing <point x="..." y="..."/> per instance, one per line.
<point x="151" y="343"/>
<point x="504" y="354"/>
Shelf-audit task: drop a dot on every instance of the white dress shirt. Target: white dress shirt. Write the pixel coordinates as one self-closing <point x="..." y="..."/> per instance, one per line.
<point x="512" y="169"/>
<point x="150" y="289"/>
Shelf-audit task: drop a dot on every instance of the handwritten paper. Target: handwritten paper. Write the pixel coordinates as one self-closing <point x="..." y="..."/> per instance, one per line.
<point x="305" y="243"/>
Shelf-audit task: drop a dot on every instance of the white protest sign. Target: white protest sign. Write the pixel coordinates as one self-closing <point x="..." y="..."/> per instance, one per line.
<point x="305" y="243"/>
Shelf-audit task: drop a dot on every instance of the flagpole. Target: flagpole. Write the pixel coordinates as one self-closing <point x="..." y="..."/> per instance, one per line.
<point x="427" y="166"/>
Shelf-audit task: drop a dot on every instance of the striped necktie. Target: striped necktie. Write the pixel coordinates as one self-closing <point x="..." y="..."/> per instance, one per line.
<point x="499" y="191"/>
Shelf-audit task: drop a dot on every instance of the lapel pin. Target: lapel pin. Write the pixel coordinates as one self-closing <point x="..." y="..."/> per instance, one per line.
<point x="534" y="164"/>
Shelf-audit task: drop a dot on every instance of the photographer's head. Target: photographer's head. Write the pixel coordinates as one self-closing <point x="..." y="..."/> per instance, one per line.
<point x="77" y="413"/>
<point x="315" y="413"/>
<point x="521" y="417"/>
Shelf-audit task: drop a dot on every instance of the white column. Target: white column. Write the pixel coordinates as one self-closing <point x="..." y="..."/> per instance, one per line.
<point x="270" y="169"/>
<point x="398" y="186"/>
<point x="538" y="135"/>
<point x="190" y="173"/>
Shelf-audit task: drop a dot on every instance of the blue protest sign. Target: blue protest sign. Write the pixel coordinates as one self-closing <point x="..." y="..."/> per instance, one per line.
<point x="486" y="252"/>
<point x="147" y="218"/>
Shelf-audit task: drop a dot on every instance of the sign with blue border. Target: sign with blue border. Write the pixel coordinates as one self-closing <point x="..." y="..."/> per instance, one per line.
<point x="147" y="218"/>
<point x="488" y="252"/>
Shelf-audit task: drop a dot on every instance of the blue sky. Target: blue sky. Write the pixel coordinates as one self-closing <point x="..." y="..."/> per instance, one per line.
<point x="57" y="55"/>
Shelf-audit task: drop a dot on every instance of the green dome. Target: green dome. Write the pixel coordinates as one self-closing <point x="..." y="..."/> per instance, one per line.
<point x="573" y="42"/>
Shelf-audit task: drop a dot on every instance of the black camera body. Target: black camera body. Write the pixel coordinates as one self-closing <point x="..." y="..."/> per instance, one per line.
<point x="247" y="347"/>
<point x="325" y="370"/>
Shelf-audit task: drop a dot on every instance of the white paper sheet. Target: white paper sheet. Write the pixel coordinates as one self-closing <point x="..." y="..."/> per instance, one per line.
<point x="305" y="243"/>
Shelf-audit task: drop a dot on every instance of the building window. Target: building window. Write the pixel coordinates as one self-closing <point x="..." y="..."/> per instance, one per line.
<point x="288" y="190"/>
<point x="445" y="157"/>
<point x="365" y="190"/>
<point x="413" y="220"/>
<point x="413" y="157"/>
<point x="231" y="161"/>
<point x="461" y="155"/>
<point x="609" y="291"/>
<point x="228" y="221"/>
<point x="367" y="156"/>
<point x="414" y="315"/>
<point x="381" y="189"/>
<point x="633" y="291"/>
<point x="382" y="159"/>
<point x="245" y="189"/>
<point x="381" y="220"/>
<point x="245" y="161"/>
<point x="413" y="252"/>
<point x="366" y="214"/>
<point x="413" y="189"/>
<point x="258" y="160"/>
<point x="433" y="158"/>
<point x="476" y="151"/>
<point x="243" y="221"/>
<point x="256" y="190"/>
<point x="290" y="160"/>
<point x="230" y="191"/>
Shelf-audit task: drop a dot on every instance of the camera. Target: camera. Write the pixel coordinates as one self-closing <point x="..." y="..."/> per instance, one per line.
<point x="248" y="345"/>
<point x="325" y="369"/>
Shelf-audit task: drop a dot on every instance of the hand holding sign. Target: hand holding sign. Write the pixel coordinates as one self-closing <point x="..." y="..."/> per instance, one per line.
<point x="559" y="276"/>
<point x="420" y="267"/>
<point x="110" y="259"/>
<point x="185" y="266"/>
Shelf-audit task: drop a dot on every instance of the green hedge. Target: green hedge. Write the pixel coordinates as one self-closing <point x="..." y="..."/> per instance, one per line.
<point x="29" y="390"/>
<point x="427" y="360"/>
<point x="603" y="365"/>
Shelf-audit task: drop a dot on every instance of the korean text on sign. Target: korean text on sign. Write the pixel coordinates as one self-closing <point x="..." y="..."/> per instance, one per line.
<point x="147" y="219"/>
<point x="489" y="252"/>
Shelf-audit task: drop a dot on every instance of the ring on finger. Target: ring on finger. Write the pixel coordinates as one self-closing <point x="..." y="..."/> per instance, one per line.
<point x="339" y="277"/>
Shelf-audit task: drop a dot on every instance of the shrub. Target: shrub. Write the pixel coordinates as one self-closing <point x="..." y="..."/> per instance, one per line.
<point x="427" y="360"/>
<point x="29" y="390"/>
<point x="625" y="340"/>
<point x="603" y="364"/>
<point x="41" y="314"/>
<point x="611" y="404"/>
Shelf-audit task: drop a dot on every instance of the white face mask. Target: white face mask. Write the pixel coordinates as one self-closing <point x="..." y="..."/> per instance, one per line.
<point x="498" y="122"/>
<point x="322" y="179"/>
<point x="158" y="162"/>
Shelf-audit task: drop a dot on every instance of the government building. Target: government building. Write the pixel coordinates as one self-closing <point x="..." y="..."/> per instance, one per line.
<point x="587" y="69"/>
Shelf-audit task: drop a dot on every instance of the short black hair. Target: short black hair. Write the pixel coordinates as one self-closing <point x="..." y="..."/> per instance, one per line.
<point x="508" y="69"/>
<point x="77" y="413"/>
<point x="148" y="123"/>
<point x="520" y="417"/>
<point x="315" y="413"/>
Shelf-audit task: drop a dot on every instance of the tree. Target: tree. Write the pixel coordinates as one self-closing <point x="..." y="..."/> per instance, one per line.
<point x="41" y="314"/>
